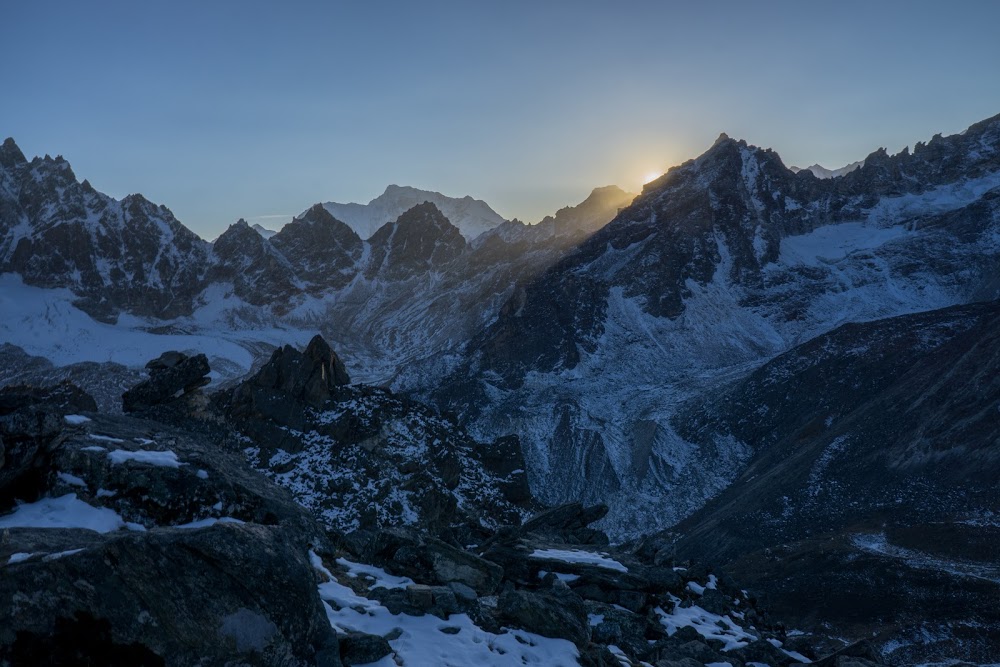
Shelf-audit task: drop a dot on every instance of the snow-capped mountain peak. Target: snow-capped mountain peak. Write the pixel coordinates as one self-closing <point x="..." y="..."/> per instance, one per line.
<point x="471" y="216"/>
<point x="10" y="154"/>
<point x="819" y="171"/>
<point x="262" y="230"/>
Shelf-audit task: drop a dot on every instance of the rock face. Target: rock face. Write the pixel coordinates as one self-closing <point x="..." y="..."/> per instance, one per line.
<point x="259" y="273"/>
<point x="161" y="618"/>
<point x="323" y="250"/>
<point x="30" y="423"/>
<point x="719" y="265"/>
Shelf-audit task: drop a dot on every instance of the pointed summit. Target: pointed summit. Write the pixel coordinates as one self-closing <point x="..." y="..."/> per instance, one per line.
<point x="422" y="239"/>
<point x="322" y="249"/>
<point x="10" y="154"/>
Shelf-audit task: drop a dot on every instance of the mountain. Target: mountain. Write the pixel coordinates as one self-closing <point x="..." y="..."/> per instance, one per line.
<point x="736" y="335"/>
<point x="263" y="231"/>
<point x="820" y="171"/>
<point x="258" y="272"/>
<point x="471" y="216"/>
<point x="115" y="255"/>
<point x="719" y="265"/>
<point x="323" y="250"/>
<point x="421" y="240"/>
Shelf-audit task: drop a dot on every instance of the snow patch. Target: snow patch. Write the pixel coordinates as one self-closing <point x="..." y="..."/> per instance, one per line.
<point x="63" y="512"/>
<point x="164" y="459"/>
<point x="579" y="556"/>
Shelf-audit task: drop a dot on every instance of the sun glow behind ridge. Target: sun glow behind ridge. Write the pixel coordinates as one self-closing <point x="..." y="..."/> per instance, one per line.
<point x="651" y="176"/>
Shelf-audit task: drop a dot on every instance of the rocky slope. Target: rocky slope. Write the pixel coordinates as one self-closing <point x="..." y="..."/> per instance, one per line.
<point x="874" y="450"/>
<point x="135" y="538"/>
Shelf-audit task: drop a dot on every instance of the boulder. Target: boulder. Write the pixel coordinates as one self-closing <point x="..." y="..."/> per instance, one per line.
<point x="452" y="565"/>
<point x="358" y="648"/>
<point x="762" y="651"/>
<point x="505" y="458"/>
<point x="170" y="375"/>
<point x="428" y="559"/>
<point x="167" y="596"/>
<point x="567" y="517"/>
<point x="556" y="612"/>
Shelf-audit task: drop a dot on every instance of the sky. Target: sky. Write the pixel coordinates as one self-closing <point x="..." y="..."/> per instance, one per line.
<point x="224" y="109"/>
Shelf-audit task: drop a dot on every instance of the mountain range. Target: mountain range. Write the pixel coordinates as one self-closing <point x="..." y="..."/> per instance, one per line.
<point x="785" y="374"/>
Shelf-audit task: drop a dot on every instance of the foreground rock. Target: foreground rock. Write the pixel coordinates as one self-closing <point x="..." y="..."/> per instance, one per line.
<point x="135" y="543"/>
<point x="173" y="596"/>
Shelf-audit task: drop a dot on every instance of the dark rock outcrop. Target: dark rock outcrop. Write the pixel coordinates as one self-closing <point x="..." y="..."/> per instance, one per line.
<point x="170" y="375"/>
<point x="31" y="423"/>
<point x="179" y="595"/>
<point x="177" y="526"/>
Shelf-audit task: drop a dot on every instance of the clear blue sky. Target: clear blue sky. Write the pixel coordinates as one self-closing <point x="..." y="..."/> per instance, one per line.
<point x="223" y="110"/>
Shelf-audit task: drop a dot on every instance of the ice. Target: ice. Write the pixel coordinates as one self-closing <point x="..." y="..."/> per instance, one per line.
<point x="830" y="243"/>
<point x="63" y="512"/>
<point x="165" y="459"/>
<point x="18" y="557"/>
<point x="579" y="556"/>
